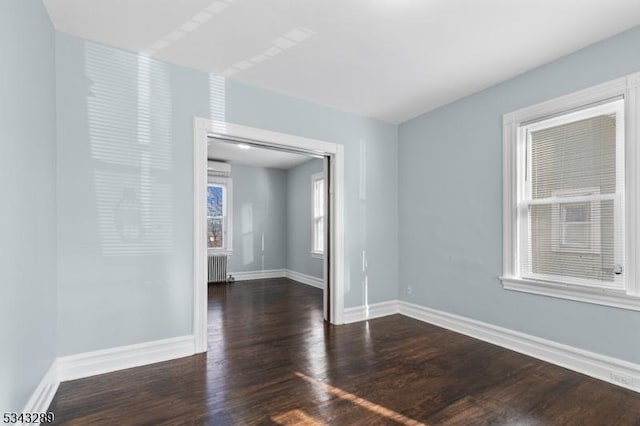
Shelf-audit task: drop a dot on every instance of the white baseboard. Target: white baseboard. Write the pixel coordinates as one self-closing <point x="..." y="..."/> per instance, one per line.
<point x="305" y="279"/>
<point x="374" y="310"/>
<point x="45" y="391"/>
<point x="602" y="367"/>
<point x="258" y="275"/>
<point x="279" y="273"/>
<point x="113" y="359"/>
<point x="608" y="369"/>
<point x="104" y="361"/>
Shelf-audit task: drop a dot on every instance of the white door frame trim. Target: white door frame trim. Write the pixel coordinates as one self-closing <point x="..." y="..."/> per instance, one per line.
<point x="203" y="129"/>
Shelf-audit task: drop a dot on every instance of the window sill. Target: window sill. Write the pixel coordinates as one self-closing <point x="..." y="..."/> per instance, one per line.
<point x="317" y="255"/>
<point x="220" y="252"/>
<point x="598" y="296"/>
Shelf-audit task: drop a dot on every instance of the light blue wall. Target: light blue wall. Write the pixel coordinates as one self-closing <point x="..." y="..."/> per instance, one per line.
<point x="299" y="219"/>
<point x="124" y="203"/>
<point x="259" y="214"/>
<point x="125" y="131"/>
<point x="450" y="195"/>
<point x="28" y="214"/>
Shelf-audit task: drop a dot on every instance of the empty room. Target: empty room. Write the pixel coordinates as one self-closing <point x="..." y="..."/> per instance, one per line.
<point x="231" y="212"/>
<point x="265" y="228"/>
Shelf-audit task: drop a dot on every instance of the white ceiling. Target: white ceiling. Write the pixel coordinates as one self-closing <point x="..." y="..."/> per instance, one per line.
<point x="388" y="59"/>
<point x="254" y="156"/>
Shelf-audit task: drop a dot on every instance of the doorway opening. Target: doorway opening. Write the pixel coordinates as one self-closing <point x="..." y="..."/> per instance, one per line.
<point x="217" y="146"/>
<point x="266" y="219"/>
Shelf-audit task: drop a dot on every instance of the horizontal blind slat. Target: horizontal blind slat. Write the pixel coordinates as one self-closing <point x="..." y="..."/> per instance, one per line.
<point x="570" y="199"/>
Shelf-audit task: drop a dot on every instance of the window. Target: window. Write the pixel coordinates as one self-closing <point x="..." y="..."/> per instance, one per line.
<point x="317" y="214"/>
<point x="216" y="208"/>
<point x="219" y="208"/>
<point x="570" y="198"/>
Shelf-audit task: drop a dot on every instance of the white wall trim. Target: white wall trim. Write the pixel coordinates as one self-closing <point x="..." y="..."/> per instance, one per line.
<point x="374" y="310"/>
<point x="609" y="369"/>
<point x="305" y="279"/>
<point x="573" y="100"/>
<point x="258" y="275"/>
<point x="337" y="260"/>
<point x="104" y="361"/>
<point x="279" y="273"/>
<point x="119" y="358"/>
<point x="600" y="296"/>
<point x="45" y="391"/>
<point x="200" y="279"/>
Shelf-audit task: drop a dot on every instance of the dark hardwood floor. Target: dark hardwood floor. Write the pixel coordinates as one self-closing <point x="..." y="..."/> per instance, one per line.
<point x="271" y="360"/>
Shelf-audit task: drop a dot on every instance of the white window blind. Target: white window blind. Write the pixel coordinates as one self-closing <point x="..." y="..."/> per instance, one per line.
<point x="570" y="219"/>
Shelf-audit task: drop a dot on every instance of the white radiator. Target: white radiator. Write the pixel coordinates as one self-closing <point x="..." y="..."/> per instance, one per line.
<point x="217" y="267"/>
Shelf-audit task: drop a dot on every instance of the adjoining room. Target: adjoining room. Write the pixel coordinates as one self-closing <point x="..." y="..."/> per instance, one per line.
<point x="266" y="223"/>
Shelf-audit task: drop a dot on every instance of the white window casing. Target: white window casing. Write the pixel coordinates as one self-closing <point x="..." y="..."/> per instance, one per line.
<point x="317" y="214"/>
<point x="573" y="236"/>
<point x="219" y="174"/>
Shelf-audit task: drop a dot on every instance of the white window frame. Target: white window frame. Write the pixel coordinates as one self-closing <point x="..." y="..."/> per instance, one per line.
<point x="314" y="236"/>
<point x="626" y="293"/>
<point x="227" y="202"/>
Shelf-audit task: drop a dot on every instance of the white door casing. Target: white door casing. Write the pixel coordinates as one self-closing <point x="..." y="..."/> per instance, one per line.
<point x="206" y="128"/>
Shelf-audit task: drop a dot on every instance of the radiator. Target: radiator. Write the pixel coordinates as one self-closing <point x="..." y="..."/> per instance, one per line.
<point x="217" y="267"/>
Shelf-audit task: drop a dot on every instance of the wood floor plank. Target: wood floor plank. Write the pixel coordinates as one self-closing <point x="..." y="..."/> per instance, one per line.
<point x="272" y="360"/>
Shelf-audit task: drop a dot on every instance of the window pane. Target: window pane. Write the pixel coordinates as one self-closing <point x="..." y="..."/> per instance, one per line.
<point x="573" y="240"/>
<point x="320" y="191"/>
<point x="318" y="197"/>
<point x="320" y="234"/>
<point x="576" y="155"/>
<point x="577" y="239"/>
<point x="215" y="201"/>
<point x="215" y="233"/>
<point x="575" y="212"/>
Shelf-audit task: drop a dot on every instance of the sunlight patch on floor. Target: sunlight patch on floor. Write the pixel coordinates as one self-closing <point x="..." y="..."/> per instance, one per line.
<point x="361" y="402"/>
<point x="296" y="417"/>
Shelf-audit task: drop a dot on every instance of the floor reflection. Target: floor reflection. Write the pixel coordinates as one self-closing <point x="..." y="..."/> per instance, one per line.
<point x="262" y="335"/>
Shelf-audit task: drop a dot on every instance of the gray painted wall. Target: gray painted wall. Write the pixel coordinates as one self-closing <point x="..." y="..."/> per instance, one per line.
<point x="125" y="132"/>
<point x="450" y="205"/>
<point x="299" y="219"/>
<point x="259" y="212"/>
<point x="27" y="185"/>
<point x="274" y="204"/>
